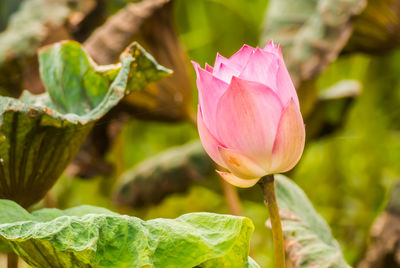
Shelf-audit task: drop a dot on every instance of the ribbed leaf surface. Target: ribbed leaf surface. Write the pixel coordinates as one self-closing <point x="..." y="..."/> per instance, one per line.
<point x="74" y="238"/>
<point x="40" y="134"/>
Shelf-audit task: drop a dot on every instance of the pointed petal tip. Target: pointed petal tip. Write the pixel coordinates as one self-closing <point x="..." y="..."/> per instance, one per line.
<point x="196" y="67"/>
<point x="236" y="81"/>
<point x="218" y="59"/>
<point x="219" y="56"/>
<point x="294" y="101"/>
<point x="247" y="46"/>
<point x="271" y="47"/>
<point x="210" y="78"/>
<point x="236" y="181"/>
<point x="195" y="64"/>
<point x="241" y="57"/>
<point x="244" y="48"/>
<point x="225" y="72"/>
<point x="280" y="50"/>
<point x="258" y="50"/>
<point x="209" y="68"/>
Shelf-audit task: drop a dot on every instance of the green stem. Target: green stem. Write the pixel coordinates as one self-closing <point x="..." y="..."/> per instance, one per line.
<point x="12" y="260"/>
<point x="268" y="187"/>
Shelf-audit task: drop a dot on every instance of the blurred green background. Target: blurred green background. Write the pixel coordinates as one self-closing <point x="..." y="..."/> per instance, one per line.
<point x="346" y="173"/>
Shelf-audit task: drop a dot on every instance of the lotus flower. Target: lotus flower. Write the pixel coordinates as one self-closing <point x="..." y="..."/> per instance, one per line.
<point x="249" y="118"/>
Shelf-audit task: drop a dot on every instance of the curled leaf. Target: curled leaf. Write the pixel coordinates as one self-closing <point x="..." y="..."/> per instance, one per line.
<point x="40" y="134"/>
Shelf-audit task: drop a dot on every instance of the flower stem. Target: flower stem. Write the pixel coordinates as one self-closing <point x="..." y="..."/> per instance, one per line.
<point x="268" y="187"/>
<point x="12" y="260"/>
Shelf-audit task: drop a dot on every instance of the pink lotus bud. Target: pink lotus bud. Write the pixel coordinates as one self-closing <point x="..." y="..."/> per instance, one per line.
<point x="249" y="117"/>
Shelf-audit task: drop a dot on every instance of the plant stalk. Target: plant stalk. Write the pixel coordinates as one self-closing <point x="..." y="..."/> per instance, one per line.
<point x="232" y="198"/>
<point x="268" y="188"/>
<point x="12" y="260"/>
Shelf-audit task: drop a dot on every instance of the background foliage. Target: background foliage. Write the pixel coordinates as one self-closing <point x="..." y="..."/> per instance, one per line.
<point x="346" y="173"/>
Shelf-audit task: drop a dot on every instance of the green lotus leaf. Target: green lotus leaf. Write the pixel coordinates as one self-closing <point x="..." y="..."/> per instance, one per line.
<point x="95" y="237"/>
<point x="40" y="134"/>
<point x="309" y="241"/>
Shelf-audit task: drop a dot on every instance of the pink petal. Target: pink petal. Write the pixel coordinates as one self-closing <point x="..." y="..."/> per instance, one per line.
<point x="225" y="73"/>
<point x="221" y="59"/>
<point x="209" y="68"/>
<point x="286" y="90"/>
<point x="280" y="50"/>
<point x="209" y="142"/>
<point x="268" y="67"/>
<point x="236" y="181"/>
<point x="270" y="47"/>
<point x="262" y="67"/>
<point x="210" y="90"/>
<point x="242" y="56"/>
<point x="290" y="138"/>
<point x="248" y="115"/>
<point x="285" y="87"/>
<point x="240" y="165"/>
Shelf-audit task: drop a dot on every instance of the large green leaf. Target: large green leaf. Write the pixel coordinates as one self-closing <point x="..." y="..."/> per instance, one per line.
<point x="95" y="237"/>
<point x="40" y="134"/>
<point x="308" y="237"/>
